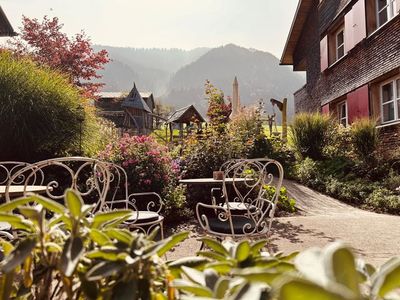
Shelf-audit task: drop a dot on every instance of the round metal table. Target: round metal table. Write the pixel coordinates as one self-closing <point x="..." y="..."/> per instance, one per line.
<point x="19" y="190"/>
<point x="212" y="181"/>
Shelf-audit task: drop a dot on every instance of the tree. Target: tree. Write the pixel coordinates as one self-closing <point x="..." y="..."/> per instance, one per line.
<point x="46" y="44"/>
<point x="218" y="111"/>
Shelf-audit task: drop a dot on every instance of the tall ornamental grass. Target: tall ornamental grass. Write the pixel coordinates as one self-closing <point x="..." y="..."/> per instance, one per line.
<point x="310" y="134"/>
<point x="364" y="136"/>
<point x="41" y="114"/>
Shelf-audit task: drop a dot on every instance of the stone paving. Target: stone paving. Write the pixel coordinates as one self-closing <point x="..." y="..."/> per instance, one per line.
<point x="375" y="237"/>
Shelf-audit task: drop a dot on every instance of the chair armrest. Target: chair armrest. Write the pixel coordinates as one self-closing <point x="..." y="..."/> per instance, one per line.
<point x="221" y="213"/>
<point x="154" y="205"/>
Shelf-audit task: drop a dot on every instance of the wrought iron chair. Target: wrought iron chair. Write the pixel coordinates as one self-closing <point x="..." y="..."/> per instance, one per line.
<point x="251" y="182"/>
<point x="147" y="207"/>
<point x="89" y="177"/>
<point x="7" y="170"/>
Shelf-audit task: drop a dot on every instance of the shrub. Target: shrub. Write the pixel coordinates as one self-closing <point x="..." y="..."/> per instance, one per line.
<point x="218" y="111"/>
<point x="309" y="134"/>
<point x="284" y="202"/>
<point x="384" y="200"/>
<point x="307" y="172"/>
<point x="40" y="115"/>
<point x="364" y="136"/>
<point x="149" y="167"/>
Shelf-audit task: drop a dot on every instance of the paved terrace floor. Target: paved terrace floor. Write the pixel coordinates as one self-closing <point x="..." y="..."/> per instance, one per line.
<point x="375" y="237"/>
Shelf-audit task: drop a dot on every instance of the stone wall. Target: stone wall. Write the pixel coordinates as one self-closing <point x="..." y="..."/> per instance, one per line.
<point x="389" y="137"/>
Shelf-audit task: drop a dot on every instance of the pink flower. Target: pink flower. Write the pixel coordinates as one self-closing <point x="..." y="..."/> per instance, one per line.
<point x="147" y="181"/>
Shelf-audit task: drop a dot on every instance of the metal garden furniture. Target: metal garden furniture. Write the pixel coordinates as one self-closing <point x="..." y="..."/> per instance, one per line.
<point x="256" y="200"/>
<point x="146" y="207"/>
<point x="89" y="177"/>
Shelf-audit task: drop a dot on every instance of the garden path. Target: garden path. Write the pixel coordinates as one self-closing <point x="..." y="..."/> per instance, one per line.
<point x="375" y="237"/>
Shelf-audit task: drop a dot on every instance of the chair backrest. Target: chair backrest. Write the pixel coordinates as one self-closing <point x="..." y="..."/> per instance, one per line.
<point x="255" y="184"/>
<point x="250" y="192"/>
<point x="9" y="168"/>
<point x="89" y="177"/>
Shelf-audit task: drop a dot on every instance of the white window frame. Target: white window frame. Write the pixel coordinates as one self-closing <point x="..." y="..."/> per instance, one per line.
<point x="337" y="46"/>
<point x="395" y="100"/>
<point x="346" y="117"/>
<point x="390" y="8"/>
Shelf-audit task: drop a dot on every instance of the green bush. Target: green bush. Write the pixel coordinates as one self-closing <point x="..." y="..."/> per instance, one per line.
<point x="308" y="173"/>
<point x="384" y="200"/>
<point x="41" y="114"/>
<point x="284" y="202"/>
<point x="309" y="134"/>
<point x="364" y="136"/>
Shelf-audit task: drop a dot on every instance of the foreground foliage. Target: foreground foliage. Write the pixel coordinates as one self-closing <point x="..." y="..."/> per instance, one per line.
<point x="64" y="252"/>
<point x="76" y="255"/>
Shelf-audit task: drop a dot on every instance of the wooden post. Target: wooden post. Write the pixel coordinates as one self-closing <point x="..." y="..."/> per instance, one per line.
<point x="284" y="120"/>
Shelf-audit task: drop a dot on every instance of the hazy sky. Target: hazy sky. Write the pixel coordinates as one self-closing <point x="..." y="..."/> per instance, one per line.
<point x="260" y="24"/>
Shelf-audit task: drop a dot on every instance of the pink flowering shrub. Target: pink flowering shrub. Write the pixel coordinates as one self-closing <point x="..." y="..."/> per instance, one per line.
<point x="148" y="164"/>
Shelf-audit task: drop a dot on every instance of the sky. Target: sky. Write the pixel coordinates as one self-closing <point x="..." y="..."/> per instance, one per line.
<point x="186" y="24"/>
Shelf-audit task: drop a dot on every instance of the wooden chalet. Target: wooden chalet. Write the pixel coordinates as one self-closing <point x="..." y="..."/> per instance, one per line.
<point x="131" y="112"/>
<point x="184" y="118"/>
<point x="5" y="26"/>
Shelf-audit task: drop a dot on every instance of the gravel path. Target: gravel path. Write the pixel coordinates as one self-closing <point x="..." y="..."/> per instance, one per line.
<point x="374" y="237"/>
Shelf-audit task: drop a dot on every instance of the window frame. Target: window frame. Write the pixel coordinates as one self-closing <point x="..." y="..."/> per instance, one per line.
<point x="390" y="11"/>
<point x="395" y="100"/>
<point x="337" y="46"/>
<point x="340" y="117"/>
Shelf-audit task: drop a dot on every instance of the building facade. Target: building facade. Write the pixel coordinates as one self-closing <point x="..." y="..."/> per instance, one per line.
<point x="350" y="51"/>
<point x="5" y="26"/>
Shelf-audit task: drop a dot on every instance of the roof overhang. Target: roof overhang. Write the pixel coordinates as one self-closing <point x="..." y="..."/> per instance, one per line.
<point x="300" y="18"/>
<point x="5" y="26"/>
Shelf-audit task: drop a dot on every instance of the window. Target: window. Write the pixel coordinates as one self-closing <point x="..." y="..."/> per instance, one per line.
<point x="385" y="11"/>
<point x="342" y="109"/>
<point x="390" y="100"/>
<point x="340" y="44"/>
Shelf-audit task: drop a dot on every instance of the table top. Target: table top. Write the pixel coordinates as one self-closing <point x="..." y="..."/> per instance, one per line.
<point x="211" y="180"/>
<point x="20" y="189"/>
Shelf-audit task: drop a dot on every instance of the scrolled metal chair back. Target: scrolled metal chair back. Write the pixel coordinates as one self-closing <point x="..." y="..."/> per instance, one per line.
<point x="9" y="168"/>
<point x="89" y="177"/>
<point x="250" y="190"/>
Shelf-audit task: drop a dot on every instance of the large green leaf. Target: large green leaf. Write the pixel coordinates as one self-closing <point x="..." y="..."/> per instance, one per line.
<point x="257" y="247"/>
<point x="49" y="204"/>
<point x="18" y="255"/>
<point x="74" y="203"/>
<point x="222" y="267"/>
<point x="72" y="252"/>
<point x="213" y="255"/>
<point x="171" y="242"/>
<point x="121" y="235"/>
<point x="187" y="286"/>
<point x="105" y="217"/>
<point x="242" y="251"/>
<point x="256" y="274"/>
<point x="341" y="267"/>
<point x="191" y="262"/>
<point x="211" y="277"/>
<point x="104" y="269"/>
<point x="17" y="222"/>
<point x="14" y="204"/>
<point x="221" y="287"/>
<point x="111" y="255"/>
<point x="387" y="279"/>
<point x="310" y="264"/>
<point x="216" y="246"/>
<point x="194" y="275"/>
<point x="99" y="237"/>
<point x="303" y="290"/>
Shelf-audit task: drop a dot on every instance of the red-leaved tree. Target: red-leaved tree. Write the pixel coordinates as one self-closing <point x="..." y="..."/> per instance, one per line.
<point x="46" y="44"/>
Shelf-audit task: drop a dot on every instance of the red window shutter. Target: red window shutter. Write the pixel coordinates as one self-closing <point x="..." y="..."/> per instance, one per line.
<point x="325" y="109"/>
<point x="358" y="104"/>
<point x="355" y="25"/>
<point x="324" y="53"/>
